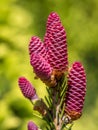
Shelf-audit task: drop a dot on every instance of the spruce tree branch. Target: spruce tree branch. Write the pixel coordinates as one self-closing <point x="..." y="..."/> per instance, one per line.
<point x="56" y="111"/>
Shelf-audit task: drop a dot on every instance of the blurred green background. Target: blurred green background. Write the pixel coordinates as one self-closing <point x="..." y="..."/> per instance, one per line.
<point x="21" y="19"/>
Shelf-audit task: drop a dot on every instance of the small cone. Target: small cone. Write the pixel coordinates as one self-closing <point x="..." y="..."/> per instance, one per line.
<point x="76" y="91"/>
<point x="27" y="89"/>
<point x="32" y="126"/>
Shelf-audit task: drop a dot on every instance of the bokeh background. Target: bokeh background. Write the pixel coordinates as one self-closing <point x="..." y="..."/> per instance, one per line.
<point x="21" y="19"/>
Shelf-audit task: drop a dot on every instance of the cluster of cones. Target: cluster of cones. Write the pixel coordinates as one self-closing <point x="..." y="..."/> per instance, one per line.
<point x="49" y="60"/>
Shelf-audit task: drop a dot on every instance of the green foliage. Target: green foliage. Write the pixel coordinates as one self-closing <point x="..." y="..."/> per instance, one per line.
<point x="19" y="20"/>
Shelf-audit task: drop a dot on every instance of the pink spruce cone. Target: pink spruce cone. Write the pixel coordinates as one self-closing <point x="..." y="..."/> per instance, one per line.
<point x="76" y="91"/>
<point x="42" y="69"/>
<point x="32" y="126"/>
<point x="27" y="89"/>
<point x="36" y="46"/>
<point x="56" y="45"/>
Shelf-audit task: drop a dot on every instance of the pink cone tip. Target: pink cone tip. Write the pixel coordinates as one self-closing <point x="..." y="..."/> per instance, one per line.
<point x="37" y="46"/>
<point x="32" y="126"/>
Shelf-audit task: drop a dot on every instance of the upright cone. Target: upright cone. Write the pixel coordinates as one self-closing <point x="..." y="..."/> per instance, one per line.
<point x="27" y="89"/>
<point x="76" y="91"/>
<point x="56" y="45"/>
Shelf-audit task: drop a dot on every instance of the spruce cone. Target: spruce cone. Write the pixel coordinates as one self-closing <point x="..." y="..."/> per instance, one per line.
<point x="32" y="126"/>
<point x="36" y="46"/>
<point x="27" y="89"/>
<point x="76" y="91"/>
<point x="56" y="46"/>
<point x="42" y="69"/>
